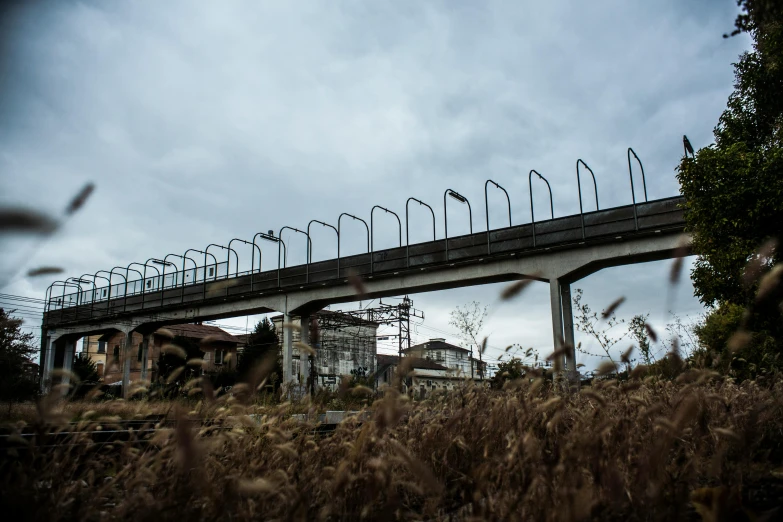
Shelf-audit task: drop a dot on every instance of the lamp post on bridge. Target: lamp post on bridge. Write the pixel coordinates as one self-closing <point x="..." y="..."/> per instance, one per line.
<point x="164" y="263"/>
<point x="269" y="236"/>
<point x="551" y="203"/>
<point x="125" y="295"/>
<point x="407" y="237"/>
<point x="462" y="199"/>
<point x="228" y="250"/>
<point x="372" y="234"/>
<point x="253" y="248"/>
<point x="108" y="281"/>
<point x="146" y="265"/>
<point x="644" y="184"/>
<point x="195" y="265"/>
<point x="579" y="187"/>
<point x="486" y="206"/>
<point x="307" y="261"/>
<point x="309" y="243"/>
<point x="339" y="235"/>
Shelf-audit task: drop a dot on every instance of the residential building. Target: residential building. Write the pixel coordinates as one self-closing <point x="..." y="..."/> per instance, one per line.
<point x="457" y="359"/>
<point x="219" y="348"/>
<point x="343" y="348"/>
<point x="424" y="376"/>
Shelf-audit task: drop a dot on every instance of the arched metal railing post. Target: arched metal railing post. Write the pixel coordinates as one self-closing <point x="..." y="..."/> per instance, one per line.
<point x="310" y="250"/>
<point x="94" y="277"/>
<point x="166" y="263"/>
<point x="195" y="265"/>
<point x="579" y="188"/>
<point x="486" y="206"/>
<point x="407" y="237"/>
<point x="339" y="235"/>
<point x="185" y="260"/>
<point x="270" y="237"/>
<point x="372" y="234"/>
<point x="92" y="282"/>
<point x="48" y="297"/>
<point x="125" y="280"/>
<point x="125" y="296"/>
<point x="144" y="279"/>
<point x="644" y="184"/>
<point x="228" y="250"/>
<point x="307" y="261"/>
<point x="252" y="258"/>
<point x="65" y="284"/>
<point x="530" y="189"/>
<point x="462" y="199"/>
<point x="78" y="295"/>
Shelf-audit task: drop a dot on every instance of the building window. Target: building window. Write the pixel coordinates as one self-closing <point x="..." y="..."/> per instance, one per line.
<point x="101" y="346"/>
<point x="219" y="356"/>
<point x="104" y="293"/>
<point x="141" y="350"/>
<point x="116" y="352"/>
<point x="211" y="271"/>
<point x="149" y="283"/>
<point x="429" y="382"/>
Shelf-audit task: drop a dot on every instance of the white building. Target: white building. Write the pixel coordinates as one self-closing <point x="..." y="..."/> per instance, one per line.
<point x="348" y="350"/>
<point x="455" y="358"/>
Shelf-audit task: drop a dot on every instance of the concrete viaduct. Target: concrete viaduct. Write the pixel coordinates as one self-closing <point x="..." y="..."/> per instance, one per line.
<point x="559" y="251"/>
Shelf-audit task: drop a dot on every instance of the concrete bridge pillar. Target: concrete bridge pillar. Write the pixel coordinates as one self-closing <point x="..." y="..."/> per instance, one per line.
<point x="126" y="363"/>
<point x="563" y="321"/>
<point x="145" y="348"/>
<point x="68" y="354"/>
<point x="288" y="350"/>
<point x="304" y="358"/>
<point x="47" y="360"/>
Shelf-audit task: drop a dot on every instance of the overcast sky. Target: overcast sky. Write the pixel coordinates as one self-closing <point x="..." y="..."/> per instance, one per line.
<point x="204" y="121"/>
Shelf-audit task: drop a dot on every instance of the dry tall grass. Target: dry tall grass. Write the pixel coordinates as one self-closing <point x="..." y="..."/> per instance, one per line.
<point x="617" y="451"/>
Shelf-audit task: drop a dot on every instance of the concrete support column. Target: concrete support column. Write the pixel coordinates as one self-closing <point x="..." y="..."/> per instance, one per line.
<point x="126" y="363"/>
<point x="304" y="359"/>
<point x="47" y="362"/>
<point x="145" y="350"/>
<point x="70" y="349"/>
<point x="288" y="350"/>
<point x="568" y="325"/>
<point x="563" y="322"/>
<point x="557" y="313"/>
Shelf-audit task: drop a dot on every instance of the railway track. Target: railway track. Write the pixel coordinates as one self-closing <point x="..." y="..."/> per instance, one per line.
<point x="138" y="432"/>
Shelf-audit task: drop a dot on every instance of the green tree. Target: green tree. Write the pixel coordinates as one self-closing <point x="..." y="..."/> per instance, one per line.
<point x="734" y="188"/>
<point x="172" y="360"/>
<point x="262" y="342"/>
<point x="16" y="353"/>
<point x="509" y="370"/>
<point x="637" y="328"/>
<point x="85" y="368"/>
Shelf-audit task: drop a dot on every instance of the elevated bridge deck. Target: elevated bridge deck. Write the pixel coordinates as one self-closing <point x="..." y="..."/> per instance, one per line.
<point x="167" y="297"/>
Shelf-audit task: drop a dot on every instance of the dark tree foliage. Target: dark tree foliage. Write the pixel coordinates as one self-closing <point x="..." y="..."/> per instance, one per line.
<point x="16" y="353"/>
<point x="263" y="342"/>
<point x="85" y="368"/>
<point x="734" y="188"/>
<point x="168" y="362"/>
<point x="510" y="370"/>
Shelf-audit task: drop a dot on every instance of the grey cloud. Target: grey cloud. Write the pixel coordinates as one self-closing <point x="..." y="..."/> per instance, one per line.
<point x="199" y="124"/>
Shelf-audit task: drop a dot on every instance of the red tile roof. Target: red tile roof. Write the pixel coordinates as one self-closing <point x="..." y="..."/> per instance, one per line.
<point x="201" y="331"/>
